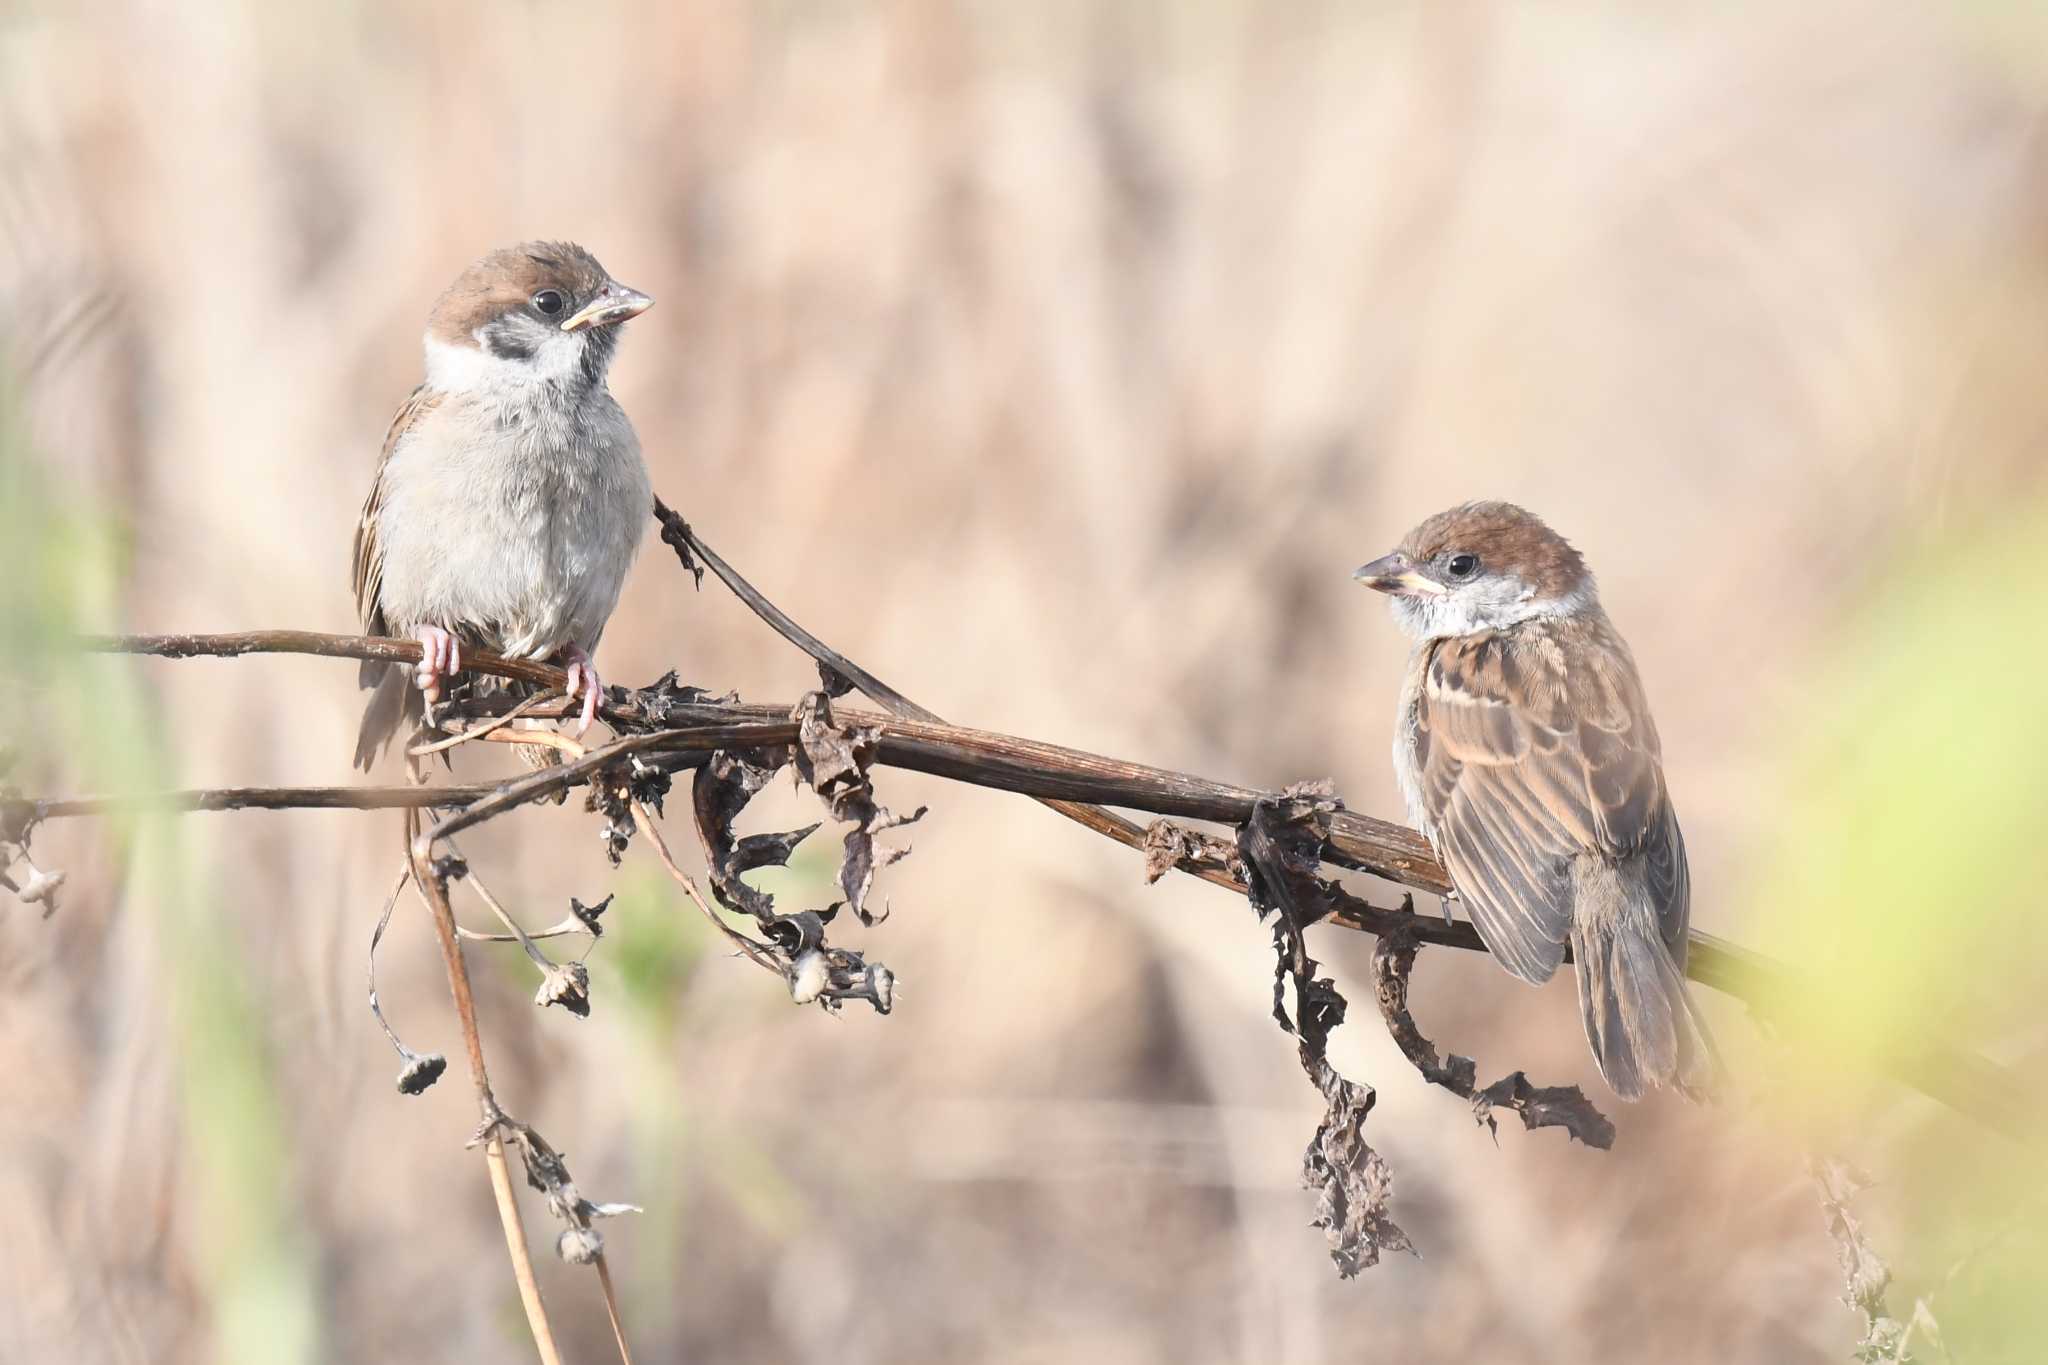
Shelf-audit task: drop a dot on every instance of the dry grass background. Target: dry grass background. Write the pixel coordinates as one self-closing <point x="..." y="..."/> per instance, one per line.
<point x="1058" y="362"/>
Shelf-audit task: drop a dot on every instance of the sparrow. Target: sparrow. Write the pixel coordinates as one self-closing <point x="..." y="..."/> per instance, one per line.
<point x="510" y="496"/>
<point x="1525" y="750"/>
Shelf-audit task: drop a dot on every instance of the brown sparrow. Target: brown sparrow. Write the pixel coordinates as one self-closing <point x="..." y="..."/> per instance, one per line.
<point x="1527" y="755"/>
<point x="510" y="496"/>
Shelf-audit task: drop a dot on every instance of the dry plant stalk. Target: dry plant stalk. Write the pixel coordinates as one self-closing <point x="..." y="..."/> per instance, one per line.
<point x="1281" y="842"/>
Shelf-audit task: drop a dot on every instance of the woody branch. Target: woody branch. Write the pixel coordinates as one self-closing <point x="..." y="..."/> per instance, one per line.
<point x="1048" y="772"/>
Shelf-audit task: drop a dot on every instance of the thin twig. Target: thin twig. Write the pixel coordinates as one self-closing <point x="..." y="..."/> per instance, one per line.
<point x="643" y="818"/>
<point x="518" y="934"/>
<point x="677" y="534"/>
<point x="611" y="1308"/>
<point x="546" y="739"/>
<point x="479" y="732"/>
<point x="433" y="888"/>
<point x="247" y="798"/>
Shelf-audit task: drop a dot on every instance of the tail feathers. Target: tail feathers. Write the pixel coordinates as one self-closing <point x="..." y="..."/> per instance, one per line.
<point x="1640" y="1019"/>
<point x="394" y="703"/>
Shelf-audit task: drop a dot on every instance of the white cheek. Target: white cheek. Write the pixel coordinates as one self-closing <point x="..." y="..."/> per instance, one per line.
<point x="461" y="369"/>
<point x="475" y="369"/>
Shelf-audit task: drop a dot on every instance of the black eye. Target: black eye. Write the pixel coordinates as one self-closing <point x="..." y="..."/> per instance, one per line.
<point x="549" y="301"/>
<point x="1462" y="566"/>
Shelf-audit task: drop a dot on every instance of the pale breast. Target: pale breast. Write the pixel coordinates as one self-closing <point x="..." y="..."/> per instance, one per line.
<point x="514" y="524"/>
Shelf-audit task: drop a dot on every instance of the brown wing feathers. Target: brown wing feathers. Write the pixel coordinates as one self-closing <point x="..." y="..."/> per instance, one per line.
<point x="1526" y="767"/>
<point x="393" y="701"/>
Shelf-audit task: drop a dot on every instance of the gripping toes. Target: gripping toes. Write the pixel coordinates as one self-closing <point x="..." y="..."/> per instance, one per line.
<point x="582" y="678"/>
<point x="440" y="657"/>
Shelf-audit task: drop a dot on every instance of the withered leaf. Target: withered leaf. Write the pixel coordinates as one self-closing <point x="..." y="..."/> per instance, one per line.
<point x="1281" y="845"/>
<point x="720" y="792"/>
<point x="675" y="533"/>
<point x="1546" y="1106"/>
<point x="835" y="683"/>
<point x="588" y="915"/>
<point x="1168" y="846"/>
<point x="566" y="984"/>
<point x="661" y="699"/>
<point x="1352" y="1183"/>
<point x="1558" y="1106"/>
<point x="835" y="761"/>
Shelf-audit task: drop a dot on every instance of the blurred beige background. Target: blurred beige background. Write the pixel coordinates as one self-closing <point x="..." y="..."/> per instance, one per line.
<point x="1058" y="362"/>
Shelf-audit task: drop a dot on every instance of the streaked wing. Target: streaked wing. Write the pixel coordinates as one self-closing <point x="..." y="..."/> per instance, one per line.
<point x="1529" y="761"/>
<point x="369" y="556"/>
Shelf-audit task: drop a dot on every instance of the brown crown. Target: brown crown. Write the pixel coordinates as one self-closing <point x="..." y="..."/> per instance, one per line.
<point x="506" y="279"/>
<point x="1507" y="539"/>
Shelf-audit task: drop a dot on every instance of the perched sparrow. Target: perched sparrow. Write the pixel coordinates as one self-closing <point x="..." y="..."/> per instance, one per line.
<point x="511" y="496"/>
<point x="1526" y="751"/>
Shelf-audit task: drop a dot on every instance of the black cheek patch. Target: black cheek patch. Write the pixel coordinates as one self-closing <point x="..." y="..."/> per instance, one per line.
<point x="506" y="344"/>
<point x="598" y="343"/>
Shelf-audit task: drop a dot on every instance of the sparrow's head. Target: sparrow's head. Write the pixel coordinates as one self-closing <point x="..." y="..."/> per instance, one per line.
<point x="1480" y="566"/>
<point x="539" y="312"/>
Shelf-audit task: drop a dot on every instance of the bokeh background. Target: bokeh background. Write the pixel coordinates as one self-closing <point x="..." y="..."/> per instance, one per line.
<point x="1057" y="361"/>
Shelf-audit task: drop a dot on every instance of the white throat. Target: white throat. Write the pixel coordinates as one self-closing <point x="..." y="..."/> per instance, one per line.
<point x="1464" y="612"/>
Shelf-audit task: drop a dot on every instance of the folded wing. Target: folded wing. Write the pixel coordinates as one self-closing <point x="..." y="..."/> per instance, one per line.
<point x="1529" y="763"/>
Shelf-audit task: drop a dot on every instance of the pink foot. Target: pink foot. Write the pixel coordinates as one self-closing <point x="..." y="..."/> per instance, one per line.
<point x="582" y="677"/>
<point x="440" y="656"/>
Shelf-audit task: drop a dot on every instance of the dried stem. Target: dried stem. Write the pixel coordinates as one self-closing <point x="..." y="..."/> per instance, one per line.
<point x="485" y="730"/>
<point x="248" y="798"/>
<point x="611" y="1308"/>
<point x="643" y="820"/>
<point x="1551" y="1106"/>
<point x="433" y="885"/>
<point x="1059" y="776"/>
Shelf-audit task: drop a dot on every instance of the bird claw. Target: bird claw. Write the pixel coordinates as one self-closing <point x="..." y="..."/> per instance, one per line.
<point x="582" y="678"/>
<point x="440" y="657"/>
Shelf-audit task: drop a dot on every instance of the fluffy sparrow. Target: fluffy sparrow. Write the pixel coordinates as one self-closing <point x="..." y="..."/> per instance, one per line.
<point x="1525" y="748"/>
<point x="510" y="496"/>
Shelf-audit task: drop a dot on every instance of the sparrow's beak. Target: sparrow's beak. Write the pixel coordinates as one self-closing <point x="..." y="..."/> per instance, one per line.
<point x="1397" y="576"/>
<point x="614" y="303"/>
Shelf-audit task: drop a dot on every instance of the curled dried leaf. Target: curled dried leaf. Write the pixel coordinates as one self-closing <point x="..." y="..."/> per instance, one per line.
<point x="1352" y="1183"/>
<point x="1169" y="846"/>
<point x="835" y="683"/>
<point x="1557" y="1106"/>
<point x="1545" y="1106"/>
<point x="566" y="984"/>
<point x="661" y="701"/>
<point x="579" y="1243"/>
<point x="1282" y="849"/>
<point x="834" y="760"/>
<point x="719" y="794"/>
<point x="675" y="533"/>
<point x="587" y="915"/>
